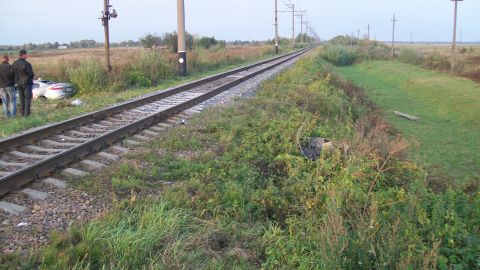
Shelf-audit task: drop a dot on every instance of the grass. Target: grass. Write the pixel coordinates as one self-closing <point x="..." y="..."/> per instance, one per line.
<point x="449" y="125"/>
<point x="244" y="197"/>
<point x="45" y="112"/>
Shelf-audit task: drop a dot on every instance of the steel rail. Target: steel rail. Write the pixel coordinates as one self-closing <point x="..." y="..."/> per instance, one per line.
<point x="47" y="166"/>
<point x="37" y="134"/>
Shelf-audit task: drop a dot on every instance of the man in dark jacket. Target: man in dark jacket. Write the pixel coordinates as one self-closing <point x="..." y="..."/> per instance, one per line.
<point x="7" y="88"/>
<point x="24" y="79"/>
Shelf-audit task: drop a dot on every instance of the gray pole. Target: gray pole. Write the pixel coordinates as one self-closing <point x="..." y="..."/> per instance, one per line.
<point x="358" y="34"/>
<point x="182" y="48"/>
<point x="293" y="25"/>
<point x="393" y="36"/>
<point x="301" y="28"/>
<point x="308" y="33"/>
<point x="454" y="35"/>
<point x="368" y="32"/>
<point x="276" y="27"/>
<point x="105" y="18"/>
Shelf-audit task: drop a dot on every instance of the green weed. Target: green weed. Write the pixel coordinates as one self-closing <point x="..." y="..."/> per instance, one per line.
<point x="246" y="198"/>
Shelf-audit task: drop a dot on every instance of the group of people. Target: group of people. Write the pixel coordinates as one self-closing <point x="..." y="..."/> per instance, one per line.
<point x="21" y="74"/>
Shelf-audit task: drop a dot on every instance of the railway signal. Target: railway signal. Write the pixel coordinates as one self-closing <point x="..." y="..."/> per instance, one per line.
<point x="182" y="46"/>
<point x="454" y="34"/>
<point x="106" y="15"/>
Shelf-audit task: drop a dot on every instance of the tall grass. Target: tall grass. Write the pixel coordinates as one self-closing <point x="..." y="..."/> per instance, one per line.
<point x="139" y="67"/>
<point x="246" y="198"/>
<point x="340" y="55"/>
<point x="89" y="77"/>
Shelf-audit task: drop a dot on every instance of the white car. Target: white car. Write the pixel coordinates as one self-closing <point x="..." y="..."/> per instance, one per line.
<point x="52" y="90"/>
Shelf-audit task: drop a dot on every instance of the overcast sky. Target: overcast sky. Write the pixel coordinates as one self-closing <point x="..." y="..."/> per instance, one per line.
<point x="24" y="21"/>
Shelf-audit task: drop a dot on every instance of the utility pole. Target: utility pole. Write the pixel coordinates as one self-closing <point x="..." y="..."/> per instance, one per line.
<point x="276" y="26"/>
<point x="394" y="20"/>
<point x="292" y="6"/>
<point x="454" y="34"/>
<point x="368" y="32"/>
<point x="301" y="27"/>
<point x="368" y="41"/>
<point x="358" y="34"/>
<point x="352" y="37"/>
<point x="411" y="38"/>
<point x="106" y="15"/>
<point x="307" y="32"/>
<point x="182" y="46"/>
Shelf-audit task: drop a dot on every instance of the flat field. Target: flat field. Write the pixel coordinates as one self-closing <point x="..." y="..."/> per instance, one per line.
<point x="448" y="131"/>
<point x="439" y="57"/>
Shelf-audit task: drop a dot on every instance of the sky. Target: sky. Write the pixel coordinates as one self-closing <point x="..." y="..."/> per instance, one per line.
<point x="39" y="21"/>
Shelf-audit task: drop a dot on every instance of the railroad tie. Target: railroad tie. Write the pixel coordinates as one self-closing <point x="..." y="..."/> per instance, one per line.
<point x="35" y="194"/>
<point x="28" y="155"/>
<point x="119" y="150"/>
<point x="71" y="172"/>
<point x="44" y="150"/>
<point x="151" y="133"/>
<point x="59" y="144"/>
<point x="157" y="129"/>
<point x="108" y="156"/>
<point x="132" y="143"/>
<point x="74" y="139"/>
<point x="11" y="208"/>
<point x="11" y="164"/>
<point x="92" y="165"/>
<point x="55" y="182"/>
<point x="141" y="138"/>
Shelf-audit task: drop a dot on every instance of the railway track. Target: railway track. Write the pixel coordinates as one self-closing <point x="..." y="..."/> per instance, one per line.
<point x="34" y="155"/>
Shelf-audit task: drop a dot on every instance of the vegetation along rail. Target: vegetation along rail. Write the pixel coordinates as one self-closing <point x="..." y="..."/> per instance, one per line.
<point x="27" y="157"/>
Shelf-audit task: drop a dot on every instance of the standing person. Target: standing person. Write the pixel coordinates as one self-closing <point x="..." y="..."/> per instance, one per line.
<point x="7" y="88"/>
<point x="24" y="79"/>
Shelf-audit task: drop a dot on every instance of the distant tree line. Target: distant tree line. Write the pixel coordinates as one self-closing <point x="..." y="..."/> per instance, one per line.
<point x="155" y="41"/>
<point x="151" y="41"/>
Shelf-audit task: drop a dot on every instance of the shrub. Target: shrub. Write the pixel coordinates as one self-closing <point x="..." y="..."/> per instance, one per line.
<point x="410" y="56"/>
<point x="148" y="71"/>
<point x="209" y="42"/>
<point x="437" y="61"/>
<point x="340" y="55"/>
<point x="88" y="77"/>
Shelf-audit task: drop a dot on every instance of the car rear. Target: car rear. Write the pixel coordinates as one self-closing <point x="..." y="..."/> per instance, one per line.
<point x="60" y="90"/>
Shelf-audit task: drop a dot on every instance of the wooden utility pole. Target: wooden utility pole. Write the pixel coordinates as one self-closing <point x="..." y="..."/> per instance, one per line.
<point x="394" y="20"/>
<point x="276" y="26"/>
<point x="454" y="35"/>
<point x="358" y="33"/>
<point x="182" y="46"/>
<point x="368" y="41"/>
<point x="106" y="15"/>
